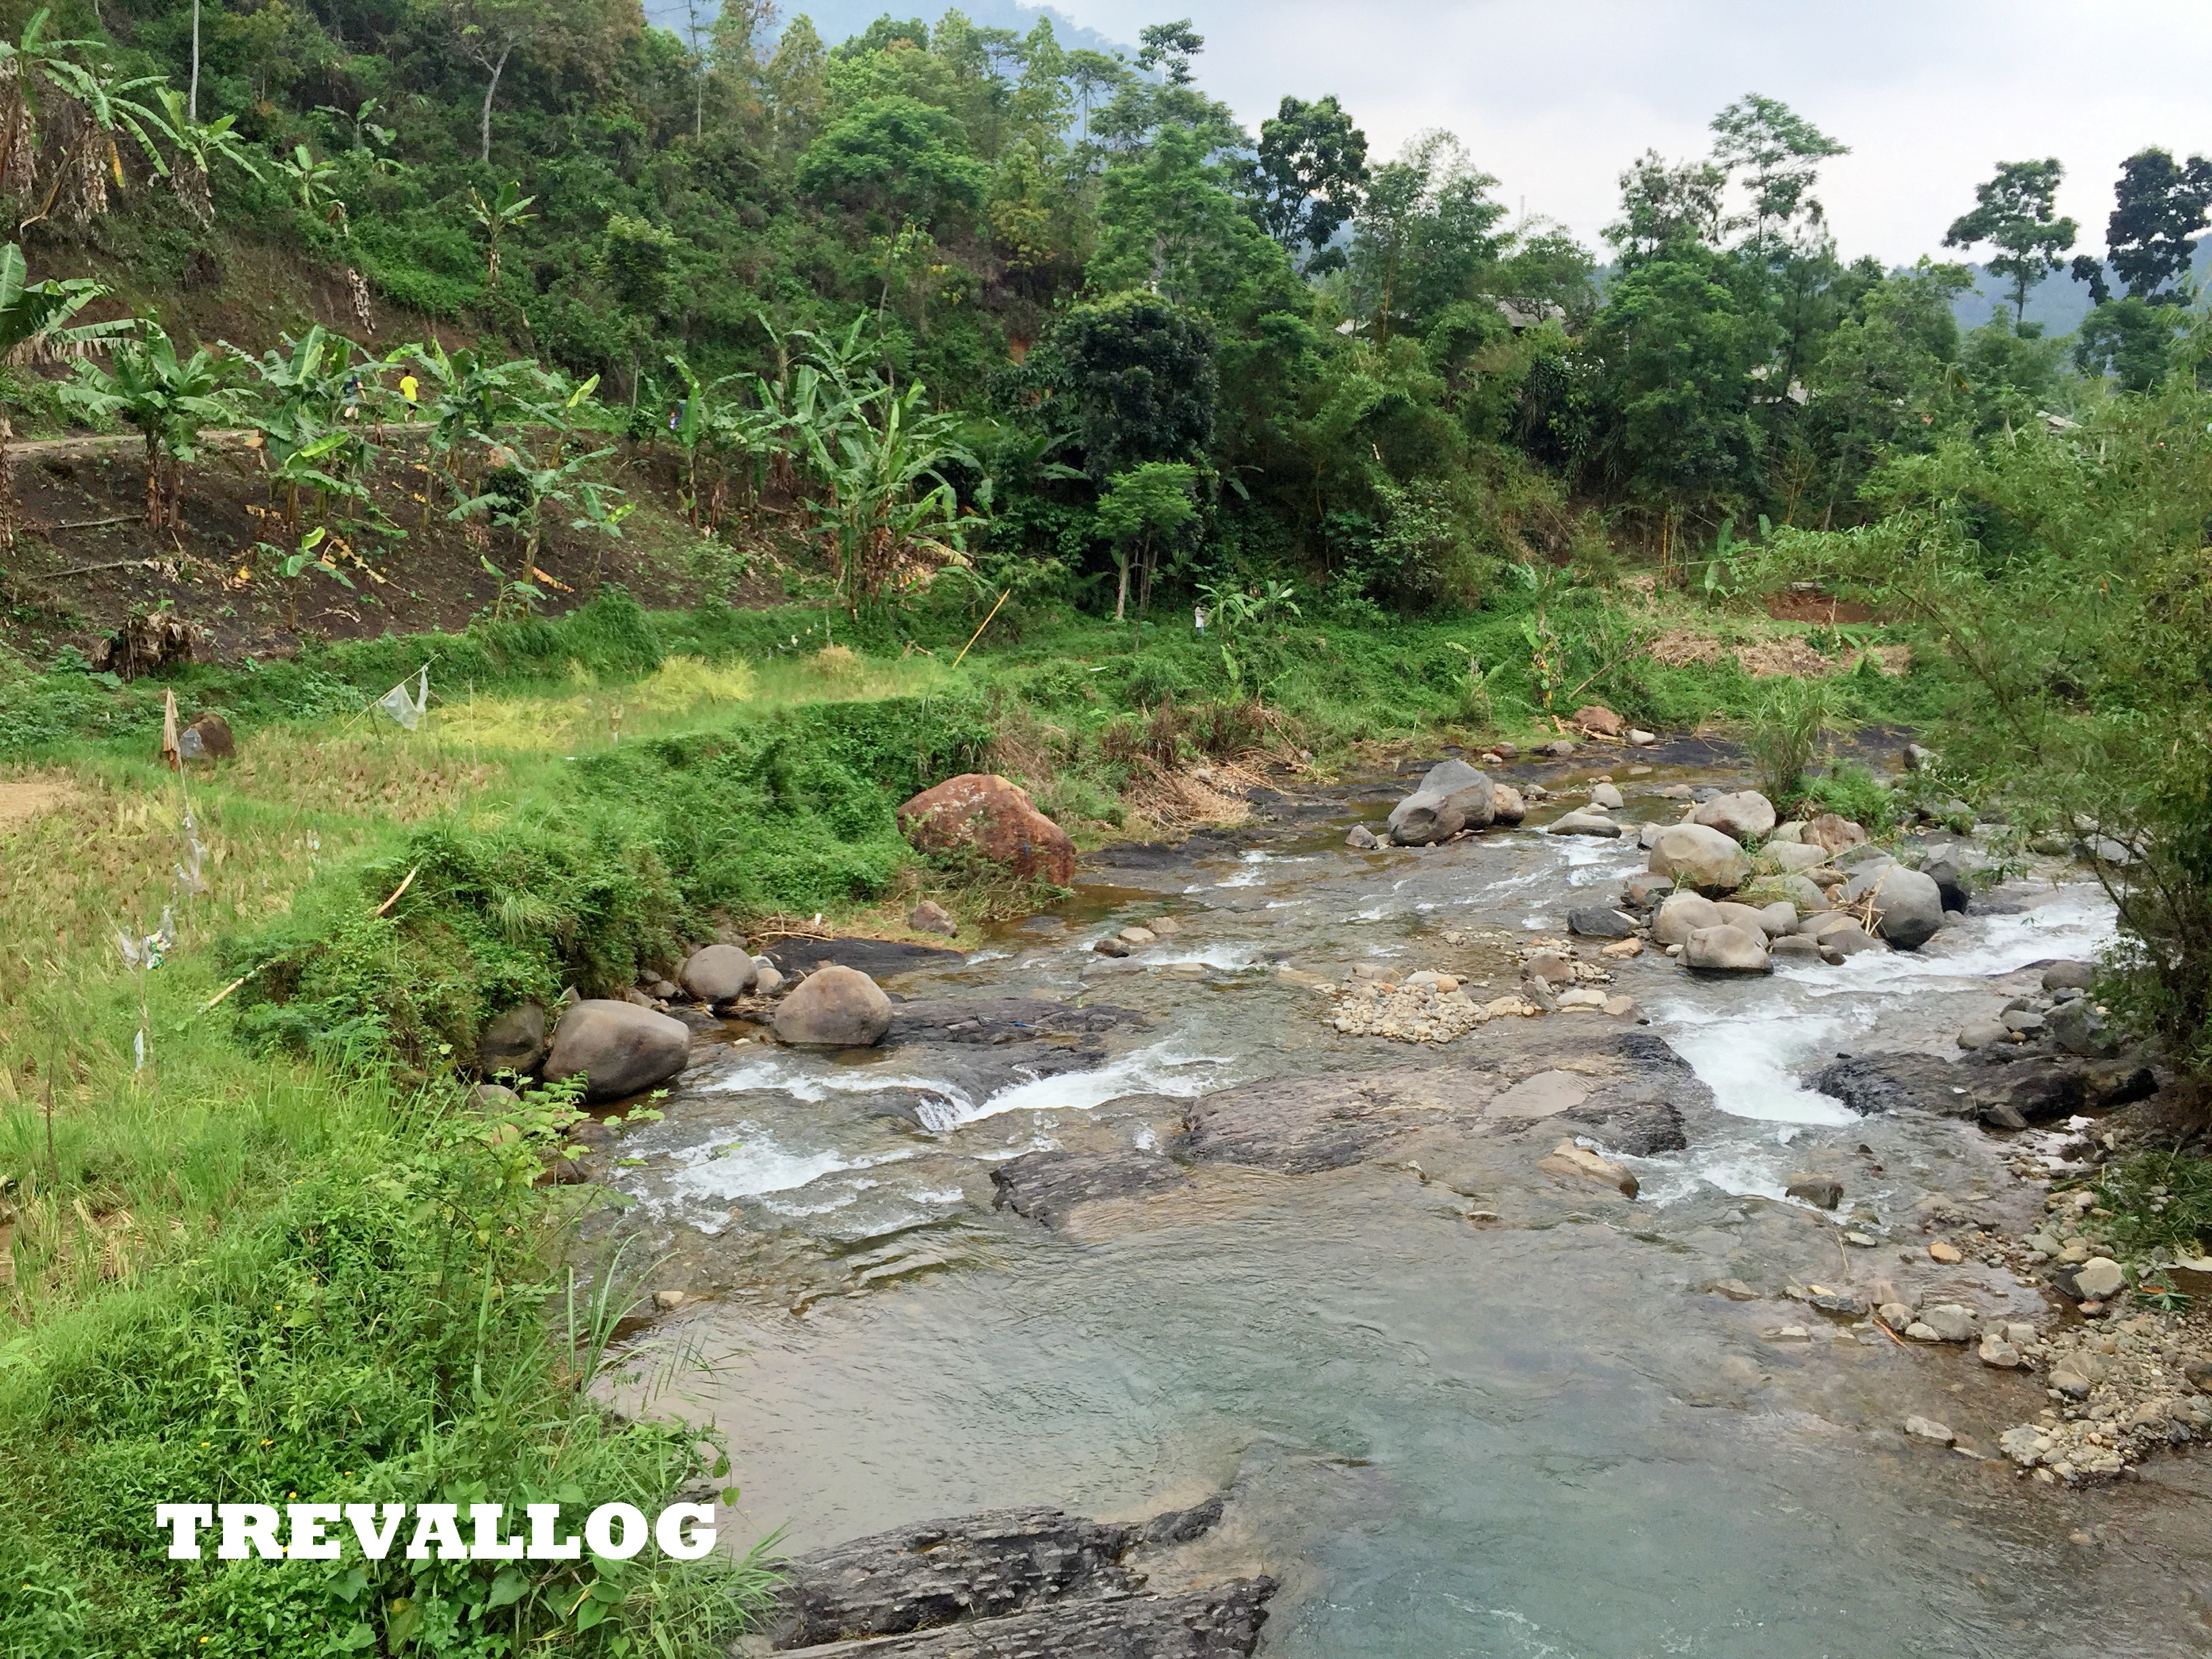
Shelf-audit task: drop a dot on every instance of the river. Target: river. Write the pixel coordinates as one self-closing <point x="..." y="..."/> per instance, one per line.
<point x="1487" y="1416"/>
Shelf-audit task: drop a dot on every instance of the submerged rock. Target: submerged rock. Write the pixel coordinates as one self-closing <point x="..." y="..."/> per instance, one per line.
<point x="1048" y="1187"/>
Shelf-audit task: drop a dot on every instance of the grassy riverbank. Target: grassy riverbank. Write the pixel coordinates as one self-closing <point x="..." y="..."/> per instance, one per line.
<point x="260" y="1247"/>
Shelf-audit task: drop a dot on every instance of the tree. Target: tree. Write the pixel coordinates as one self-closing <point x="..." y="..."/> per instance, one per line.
<point x="1660" y="204"/>
<point x="1169" y="48"/>
<point x="59" y="125"/>
<point x="508" y="210"/>
<point x="892" y="517"/>
<point x="197" y="147"/>
<point x="896" y="156"/>
<point x="1307" y="175"/>
<point x="2016" y="212"/>
<point x="1088" y="74"/>
<point x="1426" y="236"/>
<point x="1139" y="509"/>
<point x="170" y="399"/>
<point x="2150" y="239"/>
<point x="555" y="31"/>
<point x="2131" y="339"/>
<point x="1781" y="153"/>
<point x="1140" y="375"/>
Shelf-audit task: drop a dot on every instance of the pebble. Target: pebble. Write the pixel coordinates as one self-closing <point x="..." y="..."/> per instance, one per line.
<point x="1734" y="1290"/>
<point x="1944" y="1252"/>
<point x="1927" y="1428"/>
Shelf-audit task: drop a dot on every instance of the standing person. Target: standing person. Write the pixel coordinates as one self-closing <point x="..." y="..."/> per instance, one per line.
<point x="410" y="389"/>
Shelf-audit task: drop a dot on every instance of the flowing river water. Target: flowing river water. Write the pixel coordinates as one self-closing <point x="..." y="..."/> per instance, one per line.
<point x="1496" y="1416"/>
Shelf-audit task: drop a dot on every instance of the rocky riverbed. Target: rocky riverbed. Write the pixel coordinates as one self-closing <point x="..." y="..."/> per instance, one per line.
<point x="1522" y="1288"/>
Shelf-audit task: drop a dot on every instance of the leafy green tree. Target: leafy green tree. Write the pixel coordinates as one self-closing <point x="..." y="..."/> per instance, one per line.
<point x="1662" y="204"/>
<point x="2159" y="205"/>
<point x="891" y="517"/>
<point x="1140" y="377"/>
<point x="170" y="398"/>
<point x="1168" y="48"/>
<point x="896" y="157"/>
<point x="555" y="34"/>
<point x="1426" y="236"/>
<point x="1140" y="510"/>
<point x="1888" y="380"/>
<point x="195" y="148"/>
<point x="1679" y="342"/>
<point x="2016" y="212"/>
<point x="1091" y="74"/>
<point x="2131" y="339"/>
<point x="1169" y="222"/>
<point x="1307" y="174"/>
<point x="1779" y="154"/>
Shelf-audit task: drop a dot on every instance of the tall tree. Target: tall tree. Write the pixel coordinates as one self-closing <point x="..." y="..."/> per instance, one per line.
<point x="1140" y="376"/>
<point x="1426" y="233"/>
<point x="2016" y="212"/>
<point x="1168" y="48"/>
<point x="1660" y="203"/>
<point x="557" y="32"/>
<point x="1307" y="175"/>
<point x="1780" y="153"/>
<point x="2159" y="206"/>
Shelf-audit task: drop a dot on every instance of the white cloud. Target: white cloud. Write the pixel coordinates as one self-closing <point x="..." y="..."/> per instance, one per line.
<point x="1556" y="99"/>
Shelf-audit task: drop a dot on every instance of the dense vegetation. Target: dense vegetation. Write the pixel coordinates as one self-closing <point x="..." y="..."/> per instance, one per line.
<point x="944" y="326"/>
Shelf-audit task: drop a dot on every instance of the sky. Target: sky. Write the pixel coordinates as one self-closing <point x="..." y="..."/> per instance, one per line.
<point x="1556" y="98"/>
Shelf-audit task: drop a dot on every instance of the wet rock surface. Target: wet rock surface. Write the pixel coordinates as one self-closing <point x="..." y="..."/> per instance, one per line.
<point x="1022" y="1583"/>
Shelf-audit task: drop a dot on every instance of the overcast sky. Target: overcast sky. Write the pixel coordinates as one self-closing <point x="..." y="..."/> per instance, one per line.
<point x="1555" y="98"/>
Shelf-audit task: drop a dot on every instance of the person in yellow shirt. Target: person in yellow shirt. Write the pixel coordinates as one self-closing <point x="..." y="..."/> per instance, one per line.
<point x="410" y="389"/>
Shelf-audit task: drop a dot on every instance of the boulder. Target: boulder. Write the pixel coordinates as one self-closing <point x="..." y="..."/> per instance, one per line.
<point x="1587" y="822"/>
<point x="618" y="1049"/>
<point x="1803" y="896"/>
<point x="1787" y="856"/>
<point x="768" y="978"/>
<point x="931" y="917"/>
<point x="1361" y="838"/>
<point x="1981" y="1033"/>
<point x="1596" y="718"/>
<point x="1823" y="1192"/>
<point x="834" y="1008"/>
<point x="1600" y="921"/>
<point x="2077" y="1028"/>
<point x="1749" y="917"/>
<point x="2070" y="977"/>
<point x="1570" y="1161"/>
<point x="1927" y="1428"/>
<point x="720" y="972"/>
<point x="1778" y="918"/>
<point x="1640" y="738"/>
<point x="1951" y="1323"/>
<point x="1682" y="915"/>
<point x="1743" y="817"/>
<point x="1506" y="805"/>
<point x="1451" y="798"/>
<point x="1727" y="950"/>
<point x="980" y="814"/>
<point x="1952" y="882"/>
<point x="1832" y="832"/>
<point x="1795" y="946"/>
<point x="512" y="1041"/>
<point x="1642" y="891"/>
<point x="1908" y="906"/>
<point x="1605" y="795"/>
<point x="2099" y="1278"/>
<point x="1847" y="941"/>
<point x="1791" y="834"/>
<point x="207" y="738"/>
<point x="1699" y="856"/>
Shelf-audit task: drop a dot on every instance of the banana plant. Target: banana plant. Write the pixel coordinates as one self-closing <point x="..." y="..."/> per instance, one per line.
<point x="197" y="147"/>
<point x="508" y="210"/>
<point x="34" y="326"/>
<point x="313" y="184"/>
<point x="170" y="399"/>
<point x="517" y="493"/>
<point x="711" y="427"/>
<point x="60" y="120"/>
<point x="891" y="519"/>
<point x="308" y="389"/>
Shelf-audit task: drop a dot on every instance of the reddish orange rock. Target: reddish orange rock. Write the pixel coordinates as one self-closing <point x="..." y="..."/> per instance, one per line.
<point x="1597" y="717"/>
<point x="982" y="813"/>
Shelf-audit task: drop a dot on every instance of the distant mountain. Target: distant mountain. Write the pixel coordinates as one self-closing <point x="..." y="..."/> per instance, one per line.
<point x="839" y="19"/>
<point x="2058" y="302"/>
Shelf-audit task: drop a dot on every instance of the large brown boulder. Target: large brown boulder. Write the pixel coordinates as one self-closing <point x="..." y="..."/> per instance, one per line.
<point x="835" y="1008"/>
<point x="1744" y="816"/>
<point x="981" y="813"/>
<point x="1452" y="797"/>
<point x="1597" y="717"/>
<point x="719" y="973"/>
<point x="618" y="1049"/>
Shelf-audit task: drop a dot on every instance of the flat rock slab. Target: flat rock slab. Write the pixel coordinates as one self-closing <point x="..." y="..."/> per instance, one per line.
<point x="1637" y="1088"/>
<point x="1221" y="1622"/>
<point x="1001" y="1019"/>
<point x="1048" y="1187"/>
<point x="879" y="958"/>
<point x="1542" y="1096"/>
<point x="1159" y="854"/>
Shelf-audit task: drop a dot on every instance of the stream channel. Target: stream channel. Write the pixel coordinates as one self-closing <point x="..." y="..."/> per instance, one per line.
<point x="1459" y="1407"/>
